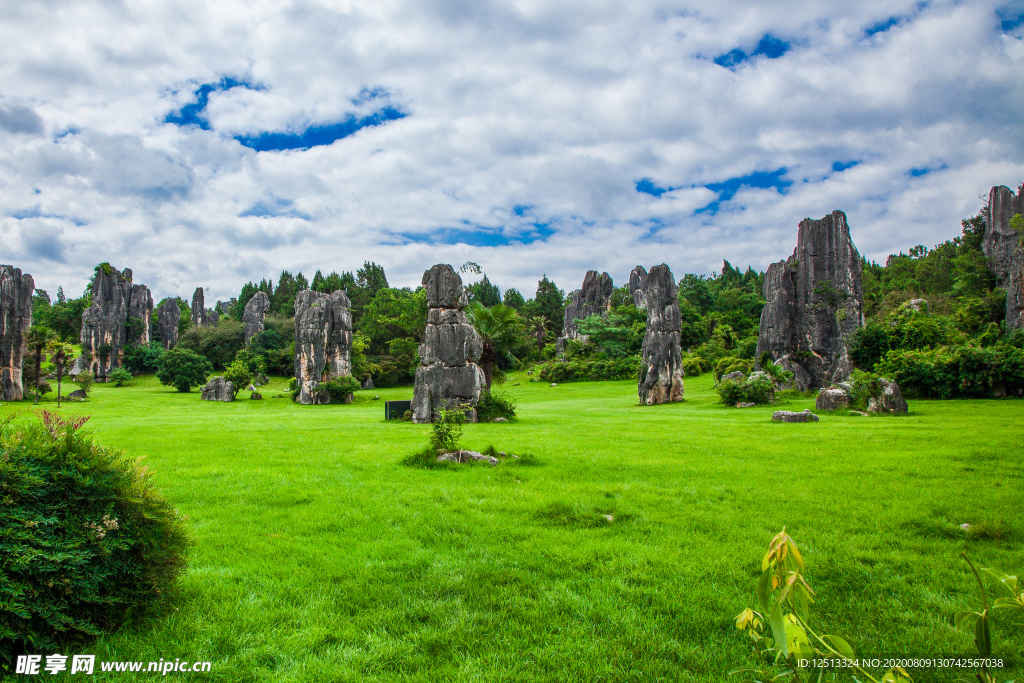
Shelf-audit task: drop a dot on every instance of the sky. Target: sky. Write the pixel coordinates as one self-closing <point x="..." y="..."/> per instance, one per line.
<point x="213" y="143"/>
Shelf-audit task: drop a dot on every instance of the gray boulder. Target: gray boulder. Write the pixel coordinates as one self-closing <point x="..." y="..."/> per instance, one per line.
<point x="168" y="315"/>
<point x="890" y="402"/>
<point x="119" y="315"/>
<point x="323" y="342"/>
<point x="658" y="293"/>
<point x="368" y="384"/>
<point x="448" y="375"/>
<point x="814" y="304"/>
<point x="832" y="399"/>
<point x="1001" y="245"/>
<point x="16" y="290"/>
<point x="256" y="396"/>
<point x="218" y="389"/>
<point x="733" y="375"/>
<point x="254" y="314"/>
<point x="745" y="404"/>
<point x="466" y="456"/>
<point x="788" y="416"/>
<point x="593" y="298"/>
<point x="78" y="393"/>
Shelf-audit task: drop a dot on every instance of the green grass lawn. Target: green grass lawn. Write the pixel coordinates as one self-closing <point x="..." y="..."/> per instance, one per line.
<point x="319" y="557"/>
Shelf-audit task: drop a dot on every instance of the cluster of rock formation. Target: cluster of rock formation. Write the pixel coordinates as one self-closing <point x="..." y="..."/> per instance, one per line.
<point x="323" y="342"/>
<point x="254" y="314"/>
<point x="658" y="294"/>
<point x="200" y="314"/>
<point x="594" y="298"/>
<point x="448" y="376"/>
<point x="119" y="316"/>
<point x="167" y="316"/>
<point x="814" y="304"/>
<point x="218" y="389"/>
<point x="1003" y="248"/>
<point x="889" y="401"/>
<point x="16" y="290"/>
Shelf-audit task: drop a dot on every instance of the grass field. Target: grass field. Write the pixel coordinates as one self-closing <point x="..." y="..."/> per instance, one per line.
<point x="319" y="557"/>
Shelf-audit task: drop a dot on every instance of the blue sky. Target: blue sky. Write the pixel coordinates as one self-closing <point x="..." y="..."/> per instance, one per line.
<point x="206" y="144"/>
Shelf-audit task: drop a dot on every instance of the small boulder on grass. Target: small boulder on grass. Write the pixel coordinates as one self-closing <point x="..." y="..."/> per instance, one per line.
<point x="890" y="401"/>
<point x="256" y="396"/>
<point x="832" y="399"/>
<point x="789" y="416"/>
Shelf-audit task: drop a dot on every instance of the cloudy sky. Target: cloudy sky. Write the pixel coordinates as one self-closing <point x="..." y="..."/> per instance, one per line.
<point x="210" y="143"/>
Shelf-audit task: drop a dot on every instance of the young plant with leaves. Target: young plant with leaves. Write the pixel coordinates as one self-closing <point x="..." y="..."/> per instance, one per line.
<point x="982" y="619"/>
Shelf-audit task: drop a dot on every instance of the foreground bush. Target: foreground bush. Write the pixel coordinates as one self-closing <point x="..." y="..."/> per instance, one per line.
<point x="757" y="388"/>
<point x="592" y="370"/>
<point x="183" y="369"/>
<point x="86" y="541"/>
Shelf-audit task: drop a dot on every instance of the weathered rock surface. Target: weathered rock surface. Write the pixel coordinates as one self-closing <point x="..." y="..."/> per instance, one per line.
<point x="198" y="308"/>
<point x="788" y="416"/>
<point x="16" y="290"/>
<point x="917" y="304"/>
<point x="745" y="404"/>
<point x="814" y="304"/>
<point x="368" y="384"/>
<point x="218" y="389"/>
<point x="733" y="375"/>
<point x="658" y="292"/>
<point x="323" y="342"/>
<point x="594" y="298"/>
<point x="119" y="315"/>
<point x="448" y="375"/>
<point x="168" y="316"/>
<point x="466" y="456"/>
<point x="1002" y="246"/>
<point x="256" y="396"/>
<point x="832" y="399"/>
<point x="254" y="314"/>
<point x="78" y="393"/>
<point x="891" y="401"/>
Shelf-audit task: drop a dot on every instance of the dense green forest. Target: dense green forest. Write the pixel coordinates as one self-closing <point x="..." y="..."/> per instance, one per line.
<point x="955" y="344"/>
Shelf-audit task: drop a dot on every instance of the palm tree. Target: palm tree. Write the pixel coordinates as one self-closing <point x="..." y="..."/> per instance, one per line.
<point x="501" y="330"/>
<point x="537" y="326"/>
<point x="61" y="354"/>
<point x="37" y="339"/>
<point x="776" y="373"/>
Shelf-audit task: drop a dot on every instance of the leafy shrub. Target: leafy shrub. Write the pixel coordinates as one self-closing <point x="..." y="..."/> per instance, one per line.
<point x="447" y="430"/>
<point x="218" y="343"/>
<point x="239" y="375"/>
<point x="88" y="540"/>
<point x="694" y="365"/>
<point x="183" y="369"/>
<point x="591" y="370"/>
<point x="757" y="388"/>
<point x="339" y="389"/>
<point x="492" y="405"/>
<point x="84" y="380"/>
<point x="143" y="359"/>
<point x="256" y="364"/>
<point x="44" y="387"/>
<point x="729" y="364"/>
<point x="121" y="377"/>
<point x="953" y="372"/>
<point x="866" y="386"/>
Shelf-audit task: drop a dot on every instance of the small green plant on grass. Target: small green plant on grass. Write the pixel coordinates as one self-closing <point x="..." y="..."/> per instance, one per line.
<point x="121" y="377"/>
<point x="239" y="375"/>
<point x="446" y="431"/>
<point x="84" y="380"/>
<point x="793" y="647"/>
<point x="982" y="626"/>
<point x="494" y="404"/>
<point x="341" y="389"/>
<point x="757" y="388"/>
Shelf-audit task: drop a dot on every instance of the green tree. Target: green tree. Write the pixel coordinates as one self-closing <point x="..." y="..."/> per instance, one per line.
<point x="485" y="292"/>
<point x="37" y="339"/>
<point x="502" y="332"/>
<point x="61" y="355"/>
<point x="537" y="328"/>
<point x="513" y="299"/>
<point x="549" y="301"/>
<point x="183" y="369"/>
<point x="238" y="374"/>
<point x="394" y="314"/>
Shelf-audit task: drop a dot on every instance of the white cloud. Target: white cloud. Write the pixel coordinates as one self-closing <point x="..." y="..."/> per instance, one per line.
<point x="520" y="114"/>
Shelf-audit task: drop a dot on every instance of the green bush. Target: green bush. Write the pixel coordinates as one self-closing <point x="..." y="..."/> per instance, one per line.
<point x="88" y="542"/>
<point x="143" y="359"/>
<point x="183" y="369"/>
<point x="218" y="343"/>
<point x="84" y="380"/>
<point x="239" y="375"/>
<point x="121" y="377"/>
<point x="729" y="364"/>
<point x="866" y="386"/>
<point x="446" y="431"/>
<point x="956" y="372"/>
<point x="757" y="388"/>
<point x="492" y="405"/>
<point x="339" y="389"/>
<point x="591" y="370"/>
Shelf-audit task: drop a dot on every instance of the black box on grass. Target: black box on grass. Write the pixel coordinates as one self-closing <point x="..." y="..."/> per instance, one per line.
<point x="396" y="409"/>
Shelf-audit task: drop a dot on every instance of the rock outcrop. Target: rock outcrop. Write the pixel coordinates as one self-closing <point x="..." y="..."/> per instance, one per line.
<point x="16" y="290"/>
<point x="814" y="304"/>
<point x="323" y="342"/>
<point x="168" y="315"/>
<point x="832" y="399"/>
<point x="198" y="308"/>
<point x="448" y="375"/>
<point x="119" y="315"/>
<point x="594" y="298"/>
<point x="254" y="314"/>
<point x="219" y="389"/>
<point x="658" y="293"/>
<point x="789" y="416"/>
<point x="890" y="401"/>
<point x="1003" y="248"/>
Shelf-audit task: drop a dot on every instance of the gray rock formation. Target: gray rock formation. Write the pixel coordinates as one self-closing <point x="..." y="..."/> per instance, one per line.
<point x="368" y="384"/>
<point x="814" y="304"/>
<point x="222" y="307"/>
<point x="198" y="308"/>
<point x="594" y="298"/>
<point x="212" y="317"/>
<point x="323" y="342"/>
<point x="168" y="315"/>
<point x="1002" y="246"/>
<point x="733" y="375"/>
<point x="78" y="393"/>
<point x="658" y="293"/>
<point x="890" y="402"/>
<point x="254" y="314"/>
<point x="832" y="399"/>
<point x="119" y="315"/>
<point x="448" y="375"/>
<point x="466" y="456"/>
<point x="788" y="416"/>
<point x="218" y="389"/>
<point x="16" y="290"/>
